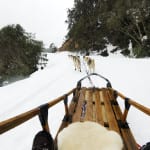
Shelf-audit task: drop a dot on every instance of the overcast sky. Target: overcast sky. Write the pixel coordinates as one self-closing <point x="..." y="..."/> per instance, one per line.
<point x="44" y="18"/>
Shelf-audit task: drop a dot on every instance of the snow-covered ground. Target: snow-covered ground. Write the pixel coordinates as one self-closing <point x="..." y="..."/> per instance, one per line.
<point x="129" y="76"/>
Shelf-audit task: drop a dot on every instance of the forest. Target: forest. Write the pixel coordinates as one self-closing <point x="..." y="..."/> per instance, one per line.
<point x="93" y="24"/>
<point x="19" y="52"/>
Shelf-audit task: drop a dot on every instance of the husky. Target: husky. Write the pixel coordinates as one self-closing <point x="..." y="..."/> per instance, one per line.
<point x="76" y="62"/>
<point x="90" y="63"/>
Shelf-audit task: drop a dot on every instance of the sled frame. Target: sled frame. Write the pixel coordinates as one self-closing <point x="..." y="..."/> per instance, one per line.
<point x="100" y="106"/>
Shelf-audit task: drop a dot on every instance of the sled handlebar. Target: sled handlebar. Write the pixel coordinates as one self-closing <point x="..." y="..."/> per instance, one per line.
<point x="96" y="74"/>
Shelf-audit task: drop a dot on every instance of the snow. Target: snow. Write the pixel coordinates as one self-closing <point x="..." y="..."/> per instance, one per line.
<point x="129" y="76"/>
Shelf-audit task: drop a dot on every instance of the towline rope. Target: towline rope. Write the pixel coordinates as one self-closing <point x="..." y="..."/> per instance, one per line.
<point x="87" y="73"/>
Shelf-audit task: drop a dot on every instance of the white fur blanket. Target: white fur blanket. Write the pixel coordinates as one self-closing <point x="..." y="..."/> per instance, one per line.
<point x="88" y="136"/>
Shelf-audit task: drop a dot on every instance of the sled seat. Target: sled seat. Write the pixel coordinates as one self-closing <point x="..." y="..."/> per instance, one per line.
<point x="100" y="105"/>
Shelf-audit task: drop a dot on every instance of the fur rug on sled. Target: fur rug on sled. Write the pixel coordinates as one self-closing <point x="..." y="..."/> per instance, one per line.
<point x="88" y="136"/>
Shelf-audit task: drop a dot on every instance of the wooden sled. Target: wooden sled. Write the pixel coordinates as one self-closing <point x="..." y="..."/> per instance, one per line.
<point x="88" y="104"/>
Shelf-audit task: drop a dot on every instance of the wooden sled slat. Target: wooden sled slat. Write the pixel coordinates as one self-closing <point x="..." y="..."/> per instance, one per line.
<point x="77" y="115"/>
<point x="104" y="115"/>
<point x="98" y="107"/>
<point x="89" y="106"/>
<point x="94" y="106"/>
<point x="113" y="125"/>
